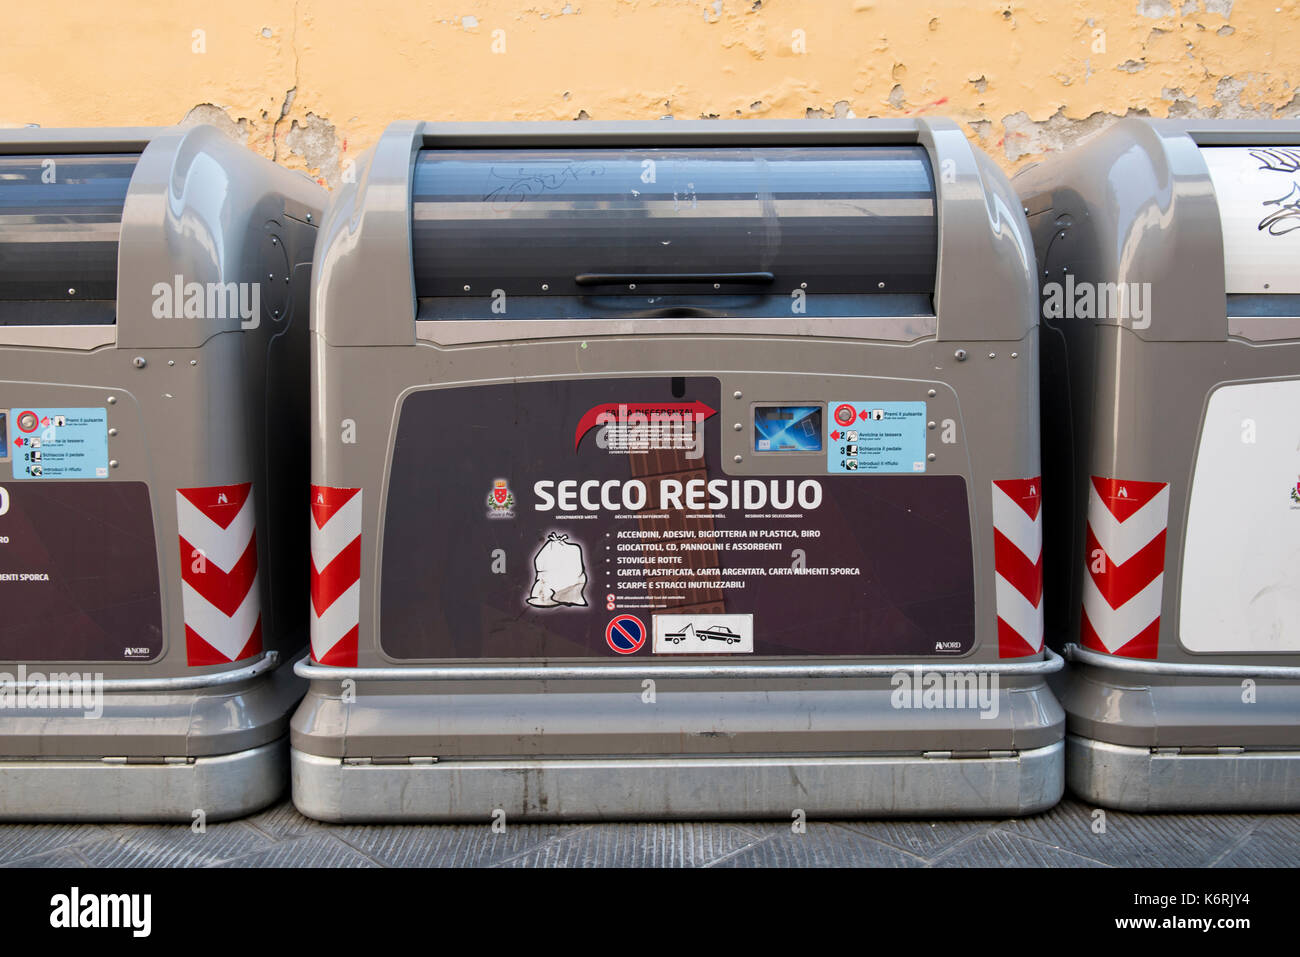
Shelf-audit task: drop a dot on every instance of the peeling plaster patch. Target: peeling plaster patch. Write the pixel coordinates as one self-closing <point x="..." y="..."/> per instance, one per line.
<point x="1189" y="7"/>
<point x="983" y="130"/>
<point x="1132" y="66"/>
<point x="1225" y="31"/>
<point x="980" y="83"/>
<point x="582" y="115"/>
<point x="1155" y="9"/>
<point x="897" y="98"/>
<point x="316" y="140"/>
<point x="469" y="23"/>
<point x="1181" y="106"/>
<point x="237" y="130"/>
<point x="266" y="32"/>
<point x="1024" y="137"/>
<point x="843" y="110"/>
<point x="1222" y="7"/>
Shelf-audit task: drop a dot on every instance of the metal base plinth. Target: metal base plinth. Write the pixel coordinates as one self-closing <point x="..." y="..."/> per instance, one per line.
<point x="1138" y="779"/>
<point x="716" y="788"/>
<point x="223" y="787"/>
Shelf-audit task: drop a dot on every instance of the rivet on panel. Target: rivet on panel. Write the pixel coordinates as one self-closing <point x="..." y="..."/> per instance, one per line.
<point x="932" y="456"/>
<point x="309" y="217"/>
<point x="960" y="355"/>
<point x="139" y="362"/>
<point x="932" y="393"/>
<point x="112" y="431"/>
<point x="194" y="362"/>
<point x="113" y="463"/>
<point x="929" y="425"/>
<point x="737" y="394"/>
<point x="737" y="426"/>
<point x="112" y="400"/>
<point x="1015" y="355"/>
<point x="738" y="458"/>
<point x="993" y="355"/>
<point x="171" y="362"/>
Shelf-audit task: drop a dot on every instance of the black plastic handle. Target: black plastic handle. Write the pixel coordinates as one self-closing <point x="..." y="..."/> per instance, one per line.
<point x="672" y="278"/>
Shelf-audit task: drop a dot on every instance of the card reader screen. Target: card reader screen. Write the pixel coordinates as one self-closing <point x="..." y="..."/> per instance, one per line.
<point x="788" y="428"/>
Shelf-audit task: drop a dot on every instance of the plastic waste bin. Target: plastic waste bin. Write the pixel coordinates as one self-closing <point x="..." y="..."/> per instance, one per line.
<point x="680" y="469"/>
<point x="1170" y="270"/>
<point x="154" y="380"/>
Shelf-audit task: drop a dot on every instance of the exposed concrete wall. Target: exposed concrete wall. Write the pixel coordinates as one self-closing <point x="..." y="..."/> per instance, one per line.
<point x="313" y="82"/>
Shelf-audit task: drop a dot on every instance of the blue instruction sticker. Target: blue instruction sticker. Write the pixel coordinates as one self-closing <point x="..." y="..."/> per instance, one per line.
<point x="58" y="443"/>
<point x="876" y="437"/>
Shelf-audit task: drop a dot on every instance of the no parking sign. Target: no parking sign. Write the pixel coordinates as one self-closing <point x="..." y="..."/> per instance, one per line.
<point x="625" y="634"/>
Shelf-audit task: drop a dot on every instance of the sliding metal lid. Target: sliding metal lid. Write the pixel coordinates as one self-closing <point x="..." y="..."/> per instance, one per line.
<point x="707" y="222"/>
<point x="60" y="222"/>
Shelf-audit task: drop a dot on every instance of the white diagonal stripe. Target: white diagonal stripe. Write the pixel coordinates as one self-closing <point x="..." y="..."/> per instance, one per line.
<point x="338" y="619"/>
<point x="339" y="532"/>
<point x="222" y="547"/>
<point x="227" y="634"/>
<point x="1010" y="519"/>
<point x="1014" y="608"/>
<point x="1122" y="540"/>
<point x="1118" y="627"/>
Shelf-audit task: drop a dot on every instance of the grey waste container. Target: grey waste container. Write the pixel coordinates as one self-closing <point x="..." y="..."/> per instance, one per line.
<point x="1170" y="269"/>
<point x="682" y="469"/>
<point x="153" y="398"/>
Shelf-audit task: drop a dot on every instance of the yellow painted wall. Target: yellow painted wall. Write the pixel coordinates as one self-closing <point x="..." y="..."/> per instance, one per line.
<point x="313" y="82"/>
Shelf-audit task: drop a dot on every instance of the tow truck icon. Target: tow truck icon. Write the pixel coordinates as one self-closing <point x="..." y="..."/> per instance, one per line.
<point x="712" y="633"/>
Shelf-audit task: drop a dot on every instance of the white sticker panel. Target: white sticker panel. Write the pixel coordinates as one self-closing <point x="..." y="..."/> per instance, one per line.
<point x="1241" y="555"/>
<point x="1258" y="189"/>
<point x="703" y="634"/>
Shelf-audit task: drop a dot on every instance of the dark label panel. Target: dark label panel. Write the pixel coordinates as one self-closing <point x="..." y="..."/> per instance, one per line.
<point x="78" y="572"/>
<point x="561" y="519"/>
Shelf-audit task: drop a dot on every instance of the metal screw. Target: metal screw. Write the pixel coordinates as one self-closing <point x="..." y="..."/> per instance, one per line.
<point x="803" y="285"/>
<point x="171" y="362"/>
<point x="737" y="458"/>
<point x="112" y="400"/>
<point x="737" y="426"/>
<point x="309" y="217"/>
<point x="274" y="241"/>
<point x="631" y="285"/>
<point x="931" y="456"/>
<point x="717" y="285"/>
<point x="466" y="287"/>
<point x="993" y="355"/>
<point x="112" y="463"/>
<point x="1015" y="355"/>
<point x="929" y="425"/>
<point x="545" y="286"/>
<point x="880" y="285"/>
<point x="194" y="362"/>
<point x="112" y="431"/>
<point x="72" y="292"/>
<point x="932" y="393"/>
<point x="737" y="394"/>
<point x="138" y="362"/>
<point x="960" y="355"/>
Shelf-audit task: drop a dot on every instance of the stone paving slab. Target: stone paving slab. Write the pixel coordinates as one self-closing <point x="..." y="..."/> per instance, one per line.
<point x="1069" y="835"/>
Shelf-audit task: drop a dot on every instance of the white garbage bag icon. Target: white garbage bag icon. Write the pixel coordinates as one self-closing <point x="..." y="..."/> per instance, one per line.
<point x="561" y="573"/>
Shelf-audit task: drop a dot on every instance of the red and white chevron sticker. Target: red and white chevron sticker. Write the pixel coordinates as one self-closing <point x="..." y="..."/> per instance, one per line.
<point x="1124" y="579"/>
<point x="1018" y="564"/>
<point x="335" y="575"/>
<point x="220" y="598"/>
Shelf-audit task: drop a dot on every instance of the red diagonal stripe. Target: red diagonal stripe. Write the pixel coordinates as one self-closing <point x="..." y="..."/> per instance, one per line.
<point x="1143" y="645"/>
<point x="199" y="653"/>
<point x="326" y="500"/>
<point x="1015" y="566"/>
<point x="1119" y="583"/>
<point x="208" y="501"/>
<point x="1027" y="493"/>
<point x="1122" y="497"/>
<point x="337" y="577"/>
<point x="225" y="590"/>
<point x="1011" y="644"/>
<point x="344" y="653"/>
